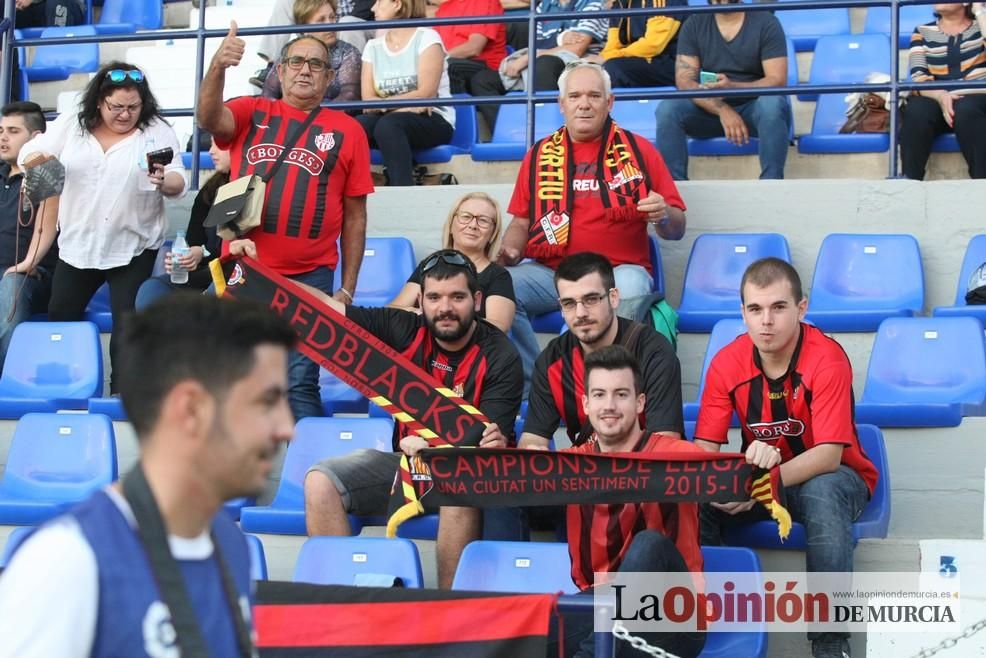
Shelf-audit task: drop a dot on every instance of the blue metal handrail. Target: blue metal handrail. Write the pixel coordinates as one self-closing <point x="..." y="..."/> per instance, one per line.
<point x="530" y="98"/>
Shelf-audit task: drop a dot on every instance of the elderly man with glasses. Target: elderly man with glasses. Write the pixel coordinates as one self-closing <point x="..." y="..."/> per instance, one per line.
<point x="589" y="186"/>
<point x="317" y="194"/>
<point x="460" y="351"/>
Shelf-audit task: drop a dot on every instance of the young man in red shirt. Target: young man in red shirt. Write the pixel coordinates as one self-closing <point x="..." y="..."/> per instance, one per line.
<point x="632" y="537"/>
<point x="791" y="386"/>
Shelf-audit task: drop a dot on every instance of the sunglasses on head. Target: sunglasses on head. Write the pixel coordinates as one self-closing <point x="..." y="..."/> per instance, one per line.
<point x="116" y="76"/>
<point x="453" y="258"/>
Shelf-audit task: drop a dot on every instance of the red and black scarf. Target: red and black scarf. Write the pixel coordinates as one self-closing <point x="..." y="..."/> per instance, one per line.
<point x="622" y="183"/>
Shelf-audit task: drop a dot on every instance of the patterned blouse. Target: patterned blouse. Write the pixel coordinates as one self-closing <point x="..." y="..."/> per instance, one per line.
<point x="939" y="56"/>
<point x="345" y="60"/>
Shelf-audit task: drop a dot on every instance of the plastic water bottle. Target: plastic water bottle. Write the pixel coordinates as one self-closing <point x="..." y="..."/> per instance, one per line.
<point x="179" y="249"/>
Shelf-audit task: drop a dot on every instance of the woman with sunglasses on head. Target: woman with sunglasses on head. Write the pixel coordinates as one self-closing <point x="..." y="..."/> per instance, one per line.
<point x="344" y="58"/>
<point x="111" y="215"/>
<point x="405" y="63"/>
<point x="473" y="227"/>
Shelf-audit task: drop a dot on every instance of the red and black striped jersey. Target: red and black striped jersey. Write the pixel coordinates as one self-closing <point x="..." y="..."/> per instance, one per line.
<point x="599" y="535"/>
<point x="486" y="372"/>
<point x="558" y="384"/>
<point x="809" y="405"/>
<point x="303" y="204"/>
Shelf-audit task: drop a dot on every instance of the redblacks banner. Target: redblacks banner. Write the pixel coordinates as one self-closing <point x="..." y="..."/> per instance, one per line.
<point x="508" y="477"/>
<point x="354" y="355"/>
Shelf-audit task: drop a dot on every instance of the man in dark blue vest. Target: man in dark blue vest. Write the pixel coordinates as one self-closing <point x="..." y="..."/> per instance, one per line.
<point x="152" y="566"/>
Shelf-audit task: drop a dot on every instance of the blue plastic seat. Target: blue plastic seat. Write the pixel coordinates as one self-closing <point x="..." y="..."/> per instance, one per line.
<point x="61" y="61"/>
<point x="387" y="263"/>
<point x="112" y="407"/>
<point x="343" y="560"/>
<point x="55" y="460"/>
<point x="805" y="26"/>
<point x="14" y="539"/>
<point x="829" y="117"/>
<point x="509" y="139"/>
<point x="872" y="523"/>
<point x="720" y="145"/>
<point x="712" y="276"/>
<point x="339" y="397"/>
<point x="51" y="366"/>
<point x="553" y="322"/>
<point x="860" y="280"/>
<point x="98" y="311"/>
<point x="234" y="506"/>
<point x="848" y="58"/>
<point x="315" y="439"/>
<point x="515" y="566"/>
<point x="258" y="560"/>
<point x="724" y="332"/>
<point x="925" y="372"/>
<point x="733" y="561"/>
<point x="127" y="16"/>
<point x="878" y="20"/>
<point x="975" y="255"/>
<point x="947" y="143"/>
<point x="637" y="116"/>
<point x="205" y="160"/>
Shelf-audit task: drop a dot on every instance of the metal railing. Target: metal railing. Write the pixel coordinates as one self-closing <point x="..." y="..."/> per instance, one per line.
<point x="530" y="98"/>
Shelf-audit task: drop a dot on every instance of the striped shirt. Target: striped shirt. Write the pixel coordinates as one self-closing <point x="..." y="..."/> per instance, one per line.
<point x="939" y="56"/>
<point x="549" y="31"/>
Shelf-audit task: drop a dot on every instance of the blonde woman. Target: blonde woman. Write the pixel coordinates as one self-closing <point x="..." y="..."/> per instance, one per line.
<point x="473" y="226"/>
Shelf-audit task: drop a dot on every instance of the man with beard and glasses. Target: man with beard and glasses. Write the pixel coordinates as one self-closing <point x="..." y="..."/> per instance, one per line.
<point x="460" y="351"/>
<point x="153" y="565"/>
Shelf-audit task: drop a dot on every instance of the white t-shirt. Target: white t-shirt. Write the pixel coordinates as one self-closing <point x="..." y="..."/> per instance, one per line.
<point x="49" y="593"/>
<point x="396" y="72"/>
<point x="104" y="219"/>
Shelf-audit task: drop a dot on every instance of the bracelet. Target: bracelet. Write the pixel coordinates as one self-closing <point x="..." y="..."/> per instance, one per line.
<point x="346" y="293"/>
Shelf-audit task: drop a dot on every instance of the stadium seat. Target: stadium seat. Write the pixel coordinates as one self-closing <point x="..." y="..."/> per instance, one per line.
<point x="723" y="333"/>
<point x="127" y="16"/>
<point x="712" y="276"/>
<point x="349" y="560"/>
<point x="862" y="279"/>
<point x="509" y="566"/>
<point x="720" y="146"/>
<point x="258" y="560"/>
<point x="878" y="20"/>
<point x="872" y="523"/>
<point x="234" y="506"/>
<point x="112" y="407"/>
<point x="553" y="322"/>
<point x="339" y="397"/>
<point x="51" y="366"/>
<point x="61" y="61"/>
<point x="55" y="460"/>
<point x="829" y="117"/>
<point x="733" y="561"/>
<point x="387" y="263"/>
<point x="975" y="255"/>
<point x="848" y="58"/>
<point x="805" y="26"/>
<point x="98" y="311"/>
<point x="946" y="143"/>
<point x="925" y="372"/>
<point x="637" y="116"/>
<point x="14" y="539"/>
<point x="509" y="140"/>
<point x="315" y="439"/>
<point x="462" y="140"/>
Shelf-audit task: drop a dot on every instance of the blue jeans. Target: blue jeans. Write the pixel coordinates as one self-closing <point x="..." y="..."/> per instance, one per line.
<point x="155" y="288"/>
<point x="827" y="505"/>
<point x="534" y="290"/>
<point x="766" y="117"/>
<point x="303" y="392"/>
<point x="25" y="296"/>
<point x="652" y="552"/>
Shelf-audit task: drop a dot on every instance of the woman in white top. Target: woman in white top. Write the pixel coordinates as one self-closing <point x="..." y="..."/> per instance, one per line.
<point x="406" y="62"/>
<point x="111" y="215"/>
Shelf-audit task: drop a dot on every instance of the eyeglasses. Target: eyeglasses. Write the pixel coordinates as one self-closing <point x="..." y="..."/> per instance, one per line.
<point x="118" y="76"/>
<point x="449" y="257"/>
<point x="120" y="109"/>
<point x="588" y="301"/>
<point x="296" y="62"/>
<point x="467" y="218"/>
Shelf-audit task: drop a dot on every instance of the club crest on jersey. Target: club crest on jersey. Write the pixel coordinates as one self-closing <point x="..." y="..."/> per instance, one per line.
<point x="325" y="141"/>
<point x="775" y="430"/>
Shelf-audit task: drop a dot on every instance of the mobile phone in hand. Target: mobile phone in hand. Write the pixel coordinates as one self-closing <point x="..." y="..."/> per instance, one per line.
<point x="707" y="77"/>
<point x="162" y="157"/>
